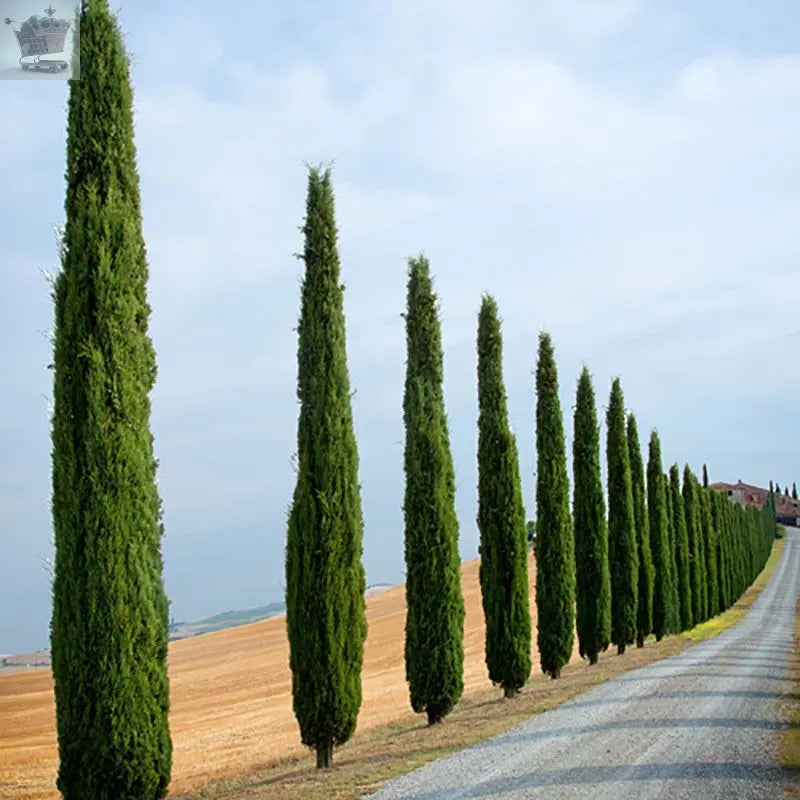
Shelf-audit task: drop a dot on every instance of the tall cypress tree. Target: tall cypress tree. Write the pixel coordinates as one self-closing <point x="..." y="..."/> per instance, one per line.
<point x="593" y="578"/>
<point x="659" y="541"/>
<point x="622" y="546"/>
<point x="644" y="612"/>
<point x="675" y="616"/>
<point x="697" y="577"/>
<point x="717" y="522"/>
<point x="501" y="519"/>
<point x="682" y="565"/>
<point x="555" y="548"/>
<point x="110" y="612"/>
<point x="794" y="491"/>
<point x="325" y="582"/>
<point x="705" y="476"/>
<point x="434" y="648"/>
<point x="710" y="549"/>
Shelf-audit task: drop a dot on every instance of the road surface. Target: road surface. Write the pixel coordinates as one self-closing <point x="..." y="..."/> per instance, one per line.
<point x="701" y="725"/>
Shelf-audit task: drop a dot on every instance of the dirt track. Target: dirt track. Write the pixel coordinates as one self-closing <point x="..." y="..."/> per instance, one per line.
<point x="231" y="700"/>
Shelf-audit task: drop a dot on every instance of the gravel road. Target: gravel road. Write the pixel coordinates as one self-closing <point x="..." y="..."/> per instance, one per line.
<point x="700" y="725"/>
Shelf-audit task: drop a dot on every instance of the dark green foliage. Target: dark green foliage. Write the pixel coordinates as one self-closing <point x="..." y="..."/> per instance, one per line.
<point x="622" y="545"/>
<point x="697" y="572"/>
<point x="659" y="541"/>
<point x="717" y="522"/>
<point x="325" y="579"/>
<point x="711" y="549"/>
<point x="530" y="527"/>
<point x="555" y="549"/>
<point x="794" y="491"/>
<point x="777" y="488"/>
<point x="593" y="579"/>
<point x="110" y="612"/>
<point x="434" y="647"/>
<point x="501" y="519"/>
<point x="705" y="476"/>
<point x="675" y="609"/>
<point x="644" y="613"/>
<point x="682" y="564"/>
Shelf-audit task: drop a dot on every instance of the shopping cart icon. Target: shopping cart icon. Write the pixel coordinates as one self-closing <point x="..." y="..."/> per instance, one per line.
<point x="41" y="41"/>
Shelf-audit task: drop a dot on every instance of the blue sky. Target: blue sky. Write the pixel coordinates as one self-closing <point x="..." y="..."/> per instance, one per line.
<point x="624" y="174"/>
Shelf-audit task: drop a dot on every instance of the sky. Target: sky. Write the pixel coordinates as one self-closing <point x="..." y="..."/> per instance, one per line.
<point x="623" y="174"/>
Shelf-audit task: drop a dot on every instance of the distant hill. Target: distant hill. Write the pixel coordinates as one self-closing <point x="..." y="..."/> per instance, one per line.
<point x="227" y="619"/>
<point x="179" y="630"/>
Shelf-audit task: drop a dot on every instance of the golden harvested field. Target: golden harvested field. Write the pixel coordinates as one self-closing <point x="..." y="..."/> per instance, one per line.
<point x="231" y="697"/>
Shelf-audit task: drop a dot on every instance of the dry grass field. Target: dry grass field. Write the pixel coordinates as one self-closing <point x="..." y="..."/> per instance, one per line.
<point x="231" y="698"/>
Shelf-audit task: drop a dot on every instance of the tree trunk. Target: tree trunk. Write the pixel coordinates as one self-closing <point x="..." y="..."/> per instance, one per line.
<point x="639" y="640"/>
<point x="555" y="674"/>
<point x="325" y="754"/>
<point x="592" y="659"/>
<point x="620" y="649"/>
<point x="510" y="691"/>
<point x="659" y="637"/>
<point x="434" y="719"/>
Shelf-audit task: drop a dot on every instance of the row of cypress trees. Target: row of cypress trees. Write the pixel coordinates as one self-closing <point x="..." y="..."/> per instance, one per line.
<point x="109" y="629"/>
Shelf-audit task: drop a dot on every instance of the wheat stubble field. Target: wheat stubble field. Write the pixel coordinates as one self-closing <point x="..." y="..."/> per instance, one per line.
<point x="231" y="697"/>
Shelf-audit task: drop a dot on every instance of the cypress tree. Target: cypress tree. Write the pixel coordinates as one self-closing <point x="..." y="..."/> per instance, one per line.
<point x="717" y="512"/>
<point x="622" y="545"/>
<point x="325" y="581"/>
<point x="705" y="476"/>
<point x="501" y="519"/>
<point x="644" y="613"/>
<point x="675" y="608"/>
<point x="593" y="579"/>
<point x="681" y="551"/>
<point x="555" y="548"/>
<point x="110" y="613"/>
<point x="710" y="548"/>
<point x="659" y="541"/>
<point x="697" y="580"/>
<point x="794" y="491"/>
<point x="434" y="649"/>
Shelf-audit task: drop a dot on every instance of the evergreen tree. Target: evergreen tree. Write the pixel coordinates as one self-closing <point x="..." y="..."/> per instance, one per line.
<point x="682" y="565"/>
<point x="325" y="581"/>
<point x="777" y="488"/>
<point x="622" y="545"/>
<point x="110" y="615"/>
<point x="501" y="519"/>
<point x="794" y="491"/>
<point x="710" y="548"/>
<point x="593" y="579"/>
<point x="644" y="613"/>
<point x="697" y="577"/>
<point x="674" y="625"/>
<point x="659" y="541"/>
<point x="555" y="549"/>
<point x="705" y="476"/>
<point x="434" y="649"/>
<point x="717" y="522"/>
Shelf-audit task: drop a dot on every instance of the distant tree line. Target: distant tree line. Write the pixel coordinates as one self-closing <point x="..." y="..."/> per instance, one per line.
<point x="651" y="556"/>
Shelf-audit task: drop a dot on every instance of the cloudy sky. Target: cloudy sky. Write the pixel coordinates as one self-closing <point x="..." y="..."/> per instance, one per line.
<point x="622" y="173"/>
